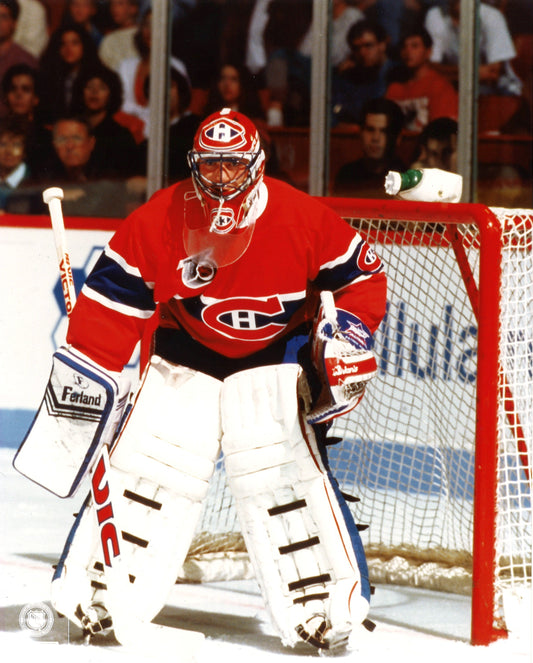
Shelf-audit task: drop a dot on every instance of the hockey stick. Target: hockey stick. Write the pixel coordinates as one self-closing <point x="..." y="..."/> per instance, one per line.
<point x="53" y="197"/>
<point x="128" y="628"/>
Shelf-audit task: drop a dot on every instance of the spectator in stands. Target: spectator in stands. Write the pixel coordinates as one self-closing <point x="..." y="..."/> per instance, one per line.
<point x="437" y="145"/>
<point x="496" y="75"/>
<point x="32" y="27"/>
<point x="10" y="52"/>
<point x="97" y="96"/>
<point x="73" y="141"/>
<point x="397" y="17"/>
<point x="363" y="75"/>
<point x="207" y="33"/>
<point x="13" y="168"/>
<point x="88" y="191"/>
<point x="235" y="88"/>
<point x="288" y="68"/>
<point x="255" y="58"/>
<point x="423" y="94"/>
<point x="289" y="40"/>
<point x="19" y="91"/>
<point x="178" y="8"/>
<point x="119" y="43"/>
<point x="196" y="41"/>
<point x="82" y="13"/>
<point x="182" y="126"/>
<point x="345" y="14"/>
<point x="70" y="52"/>
<point x="233" y="37"/>
<point x="381" y="125"/>
<point x="135" y="71"/>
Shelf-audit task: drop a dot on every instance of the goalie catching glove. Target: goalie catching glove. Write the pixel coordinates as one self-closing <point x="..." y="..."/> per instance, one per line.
<point x="341" y="353"/>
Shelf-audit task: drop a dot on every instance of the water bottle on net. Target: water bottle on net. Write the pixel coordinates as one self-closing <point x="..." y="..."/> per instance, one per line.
<point x="425" y="184"/>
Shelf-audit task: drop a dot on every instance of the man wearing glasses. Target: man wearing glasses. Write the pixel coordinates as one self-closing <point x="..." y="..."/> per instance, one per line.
<point x="363" y="75"/>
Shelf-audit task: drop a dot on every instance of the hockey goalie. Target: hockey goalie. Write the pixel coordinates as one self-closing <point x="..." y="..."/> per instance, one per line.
<point x="264" y="303"/>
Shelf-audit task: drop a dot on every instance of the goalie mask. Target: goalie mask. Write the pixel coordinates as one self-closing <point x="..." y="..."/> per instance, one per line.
<point x="227" y="165"/>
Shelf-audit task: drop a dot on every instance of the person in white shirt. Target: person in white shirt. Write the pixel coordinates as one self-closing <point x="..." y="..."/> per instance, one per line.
<point x="32" y="27"/>
<point x="134" y="72"/>
<point x="496" y="75"/>
<point x="344" y="14"/>
<point x="119" y="44"/>
<point x="288" y="69"/>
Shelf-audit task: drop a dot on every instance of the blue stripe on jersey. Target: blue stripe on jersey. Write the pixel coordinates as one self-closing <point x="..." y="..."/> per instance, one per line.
<point x="338" y="274"/>
<point x="111" y="281"/>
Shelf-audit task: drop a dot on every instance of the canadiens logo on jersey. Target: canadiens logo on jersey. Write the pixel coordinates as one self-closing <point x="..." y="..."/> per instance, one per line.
<point x="367" y="259"/>
<point x="247" y="318"/>
<point x="224" y="135"/>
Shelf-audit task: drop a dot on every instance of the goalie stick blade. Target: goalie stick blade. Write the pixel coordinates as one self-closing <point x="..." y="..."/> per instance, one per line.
<point x="151" y="638"/>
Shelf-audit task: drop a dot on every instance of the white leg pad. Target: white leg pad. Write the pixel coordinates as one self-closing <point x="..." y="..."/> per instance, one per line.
<point x="296" y="534"/>
<point x="161" y="466"/>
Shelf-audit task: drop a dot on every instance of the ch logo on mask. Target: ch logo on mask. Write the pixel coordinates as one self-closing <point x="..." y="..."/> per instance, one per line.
<point x="226" y="134"/>
<point x="223" y="220"/>
<point x="222" y="132"/>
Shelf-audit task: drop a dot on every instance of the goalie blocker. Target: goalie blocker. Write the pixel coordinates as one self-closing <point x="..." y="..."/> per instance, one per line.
<point x="80" y="411"/>
<point x="160" y="468"/>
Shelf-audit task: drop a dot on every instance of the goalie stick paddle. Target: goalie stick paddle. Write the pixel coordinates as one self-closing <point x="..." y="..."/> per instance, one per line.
<point x="129" y="630"/>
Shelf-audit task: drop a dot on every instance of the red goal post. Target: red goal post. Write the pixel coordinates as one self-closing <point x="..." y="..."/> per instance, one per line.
<point x="440" y="449"/>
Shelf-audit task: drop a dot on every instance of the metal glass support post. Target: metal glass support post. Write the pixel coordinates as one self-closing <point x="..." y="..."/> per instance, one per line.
<point x="467" y="143"/>
<point x="320" y="99"/>
<point x="157" y="166"/>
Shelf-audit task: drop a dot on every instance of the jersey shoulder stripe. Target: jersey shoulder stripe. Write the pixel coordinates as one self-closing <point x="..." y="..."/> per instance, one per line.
<point x="357" y="263"/>
<point x="118" y="307"/>
<point x="123" y="264"/>
<point x="116" y="288"/>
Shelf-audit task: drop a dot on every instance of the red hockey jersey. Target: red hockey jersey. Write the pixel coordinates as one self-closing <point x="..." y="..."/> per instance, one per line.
<point x="298" y="247"/>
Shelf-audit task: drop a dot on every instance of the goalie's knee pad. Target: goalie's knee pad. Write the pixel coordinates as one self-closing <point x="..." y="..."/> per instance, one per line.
<point x="305" y="548"/>
<point x="161" y="466"/>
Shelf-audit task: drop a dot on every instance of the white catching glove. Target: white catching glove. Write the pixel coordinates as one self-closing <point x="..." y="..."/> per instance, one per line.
<point x="342" y="355"/>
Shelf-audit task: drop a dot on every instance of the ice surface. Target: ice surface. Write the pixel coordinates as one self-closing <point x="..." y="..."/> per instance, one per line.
<point x="412" y="624"/>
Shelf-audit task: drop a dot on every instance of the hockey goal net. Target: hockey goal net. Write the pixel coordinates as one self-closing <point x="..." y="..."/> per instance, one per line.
<point x="439" y="450"/>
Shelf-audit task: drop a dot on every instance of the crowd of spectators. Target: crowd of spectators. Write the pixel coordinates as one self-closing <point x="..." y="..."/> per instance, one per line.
<point x="74" y="82"/>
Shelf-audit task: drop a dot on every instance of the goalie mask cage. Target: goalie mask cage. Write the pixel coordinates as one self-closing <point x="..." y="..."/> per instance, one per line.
<point x="439" y="450"/>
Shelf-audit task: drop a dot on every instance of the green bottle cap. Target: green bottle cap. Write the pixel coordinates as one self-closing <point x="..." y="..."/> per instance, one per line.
<point x="396" y="182"/>
<point x="410" y="178"/>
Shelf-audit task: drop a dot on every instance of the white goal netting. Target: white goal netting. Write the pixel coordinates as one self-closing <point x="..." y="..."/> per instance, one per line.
<point x="408" y="451"/>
